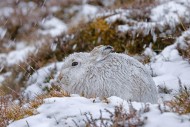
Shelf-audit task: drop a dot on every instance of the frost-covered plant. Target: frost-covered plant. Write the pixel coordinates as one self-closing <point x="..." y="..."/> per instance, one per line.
<point x="181" y="102"/>
<point x="95" y="33"/>
<point x="118" y="118"/>
<point x="185" y="51"/>
<point x="14" y="110"/>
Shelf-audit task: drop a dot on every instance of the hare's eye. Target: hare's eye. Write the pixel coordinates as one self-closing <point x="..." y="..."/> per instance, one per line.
<point x="74" y="63"/>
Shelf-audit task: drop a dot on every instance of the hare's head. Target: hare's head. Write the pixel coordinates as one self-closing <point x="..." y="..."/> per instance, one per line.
<point x="77" y="65"/>
<point x="73" y="68"/>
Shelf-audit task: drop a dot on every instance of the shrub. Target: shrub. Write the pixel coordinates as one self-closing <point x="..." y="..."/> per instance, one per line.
<point x="181" y="102"/>
<point x="96" y="32"/>
<point x="23" y="70"/>
<point x="119" y="118"/>
<point x="10" y="111"/>
<point x="185" y="52"/>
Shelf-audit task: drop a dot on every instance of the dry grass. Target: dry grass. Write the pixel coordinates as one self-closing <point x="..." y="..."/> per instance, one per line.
<point x="95" y="33"/>
<point x="23" y="24"/>
<point x="91" y="34"/>
<point x="181" y="103"/>
<point x="135" y="4"/>
<point x="119" y="118"/>
<point x="99" y="32"/>
<point x="23" y="27"/>
<point x="23" y="70"/>
<point x="10" y="111"/>
<point x="164" y="89"/>
<point x="185" y="52"/>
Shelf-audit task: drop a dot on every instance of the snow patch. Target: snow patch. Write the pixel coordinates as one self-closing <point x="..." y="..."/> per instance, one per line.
<point x="53" y="26"/>
<point x="170" y="12"/>
<point x="16" y="56"/>
<point x="56" y="112"/>
<point x="85" y="13"/>
<point x="42" y="79"/>
<point x="2" y="32"/>
<point x="108" y="2"/>
<point x="6" y="11"/>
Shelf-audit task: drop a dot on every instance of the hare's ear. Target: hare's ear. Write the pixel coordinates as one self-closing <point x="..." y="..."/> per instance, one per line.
<point x="101" y="52"/>
<point x="96" y="50"/>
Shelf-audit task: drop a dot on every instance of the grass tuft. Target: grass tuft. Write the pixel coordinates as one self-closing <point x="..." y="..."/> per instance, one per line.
<point x="181" y="102"/>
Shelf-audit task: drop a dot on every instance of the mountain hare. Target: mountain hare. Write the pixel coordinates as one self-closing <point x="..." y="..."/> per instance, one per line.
<point x="103" y="73"/>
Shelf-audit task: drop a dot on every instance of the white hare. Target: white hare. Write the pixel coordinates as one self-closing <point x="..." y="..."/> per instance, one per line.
<point x="103" y="73"/>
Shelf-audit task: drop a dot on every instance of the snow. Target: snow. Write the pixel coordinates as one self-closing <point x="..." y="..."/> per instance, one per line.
<point x="4" y="76"/>
<point x="2" y="32"/>
<point x="145" y="27"/>
<point x="181" y="41"/>
<point x="27" y="7"/>
<point x="167" y="119"/>
<point x="50" y="113"/>
<point x="168" y="68"/>
<point x="6" y="11"/>
<point x="57" y="112"/>
<point x="53" y="26"/>
<point x="88" y="10"/>
<point x="55" y="8"/>
<point x="114" y="18"/>
<point x="170" y="12"/>
<point x="41" y="80"/>
<point x="170" y="73"/>
<point x="149" y="52"/>
<point x="16" y="56"/>
<point x="108" y="2"/>
<point x="169" y="54"/>
<point x="120" y="14"/>
<point x="84" y="13"/>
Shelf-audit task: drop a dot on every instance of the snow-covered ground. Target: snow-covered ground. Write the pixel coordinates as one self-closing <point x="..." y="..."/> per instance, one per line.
<point x="168" y="68"/>
<point x="39" y="80"/>
<point x="53" y="26"/>
<point x="74" y="111"/>
<point x="19" y="54"/>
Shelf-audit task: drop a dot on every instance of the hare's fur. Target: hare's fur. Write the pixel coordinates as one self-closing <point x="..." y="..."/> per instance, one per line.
<point x="103" y="73"/>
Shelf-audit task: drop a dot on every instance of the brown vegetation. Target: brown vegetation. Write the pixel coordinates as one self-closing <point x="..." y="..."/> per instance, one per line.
<point x="24" y="27"/>
<point x="11" y="111"/>
<point x="119" y="118"/>
<point x="181" y="102"/>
